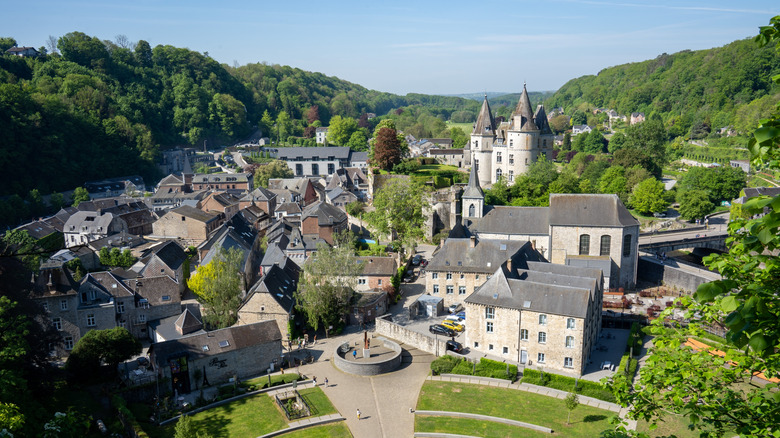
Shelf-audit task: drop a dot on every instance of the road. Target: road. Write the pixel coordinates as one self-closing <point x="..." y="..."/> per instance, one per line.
<point x="718" y="225"/>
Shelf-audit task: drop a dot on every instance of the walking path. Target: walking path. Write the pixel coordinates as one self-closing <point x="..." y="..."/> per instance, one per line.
<point x="486" y="418"/>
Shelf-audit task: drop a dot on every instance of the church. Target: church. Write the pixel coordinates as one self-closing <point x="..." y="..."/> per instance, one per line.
<point x="508" y="149"/>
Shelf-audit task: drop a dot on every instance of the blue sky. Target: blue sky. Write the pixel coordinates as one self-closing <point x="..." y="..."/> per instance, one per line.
<point x="401" y="46"/>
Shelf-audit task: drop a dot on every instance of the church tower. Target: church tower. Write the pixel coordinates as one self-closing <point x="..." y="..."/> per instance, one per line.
<point x="473" y="198"/>
<point x="482" y="138"/>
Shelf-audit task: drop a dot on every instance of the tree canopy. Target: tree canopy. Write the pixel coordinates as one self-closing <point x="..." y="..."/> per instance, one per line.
<point x="98" y="347"/>
<point x="398" y="209"/>
<point x="218" y="287"/>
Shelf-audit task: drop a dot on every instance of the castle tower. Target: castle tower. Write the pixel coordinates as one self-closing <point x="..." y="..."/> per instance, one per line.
<point x="523" y="136"/>
<point x="482" y="139"/>
<point x="473" y="198"/>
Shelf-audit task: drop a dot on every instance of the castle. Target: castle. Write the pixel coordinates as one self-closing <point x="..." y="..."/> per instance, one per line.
<point x="511" y="147"/>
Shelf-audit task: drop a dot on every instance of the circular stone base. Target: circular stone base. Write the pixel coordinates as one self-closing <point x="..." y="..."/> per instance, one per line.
<point x="385" y="357"/>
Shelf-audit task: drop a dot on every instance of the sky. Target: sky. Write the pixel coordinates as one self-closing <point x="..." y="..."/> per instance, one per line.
<point x="400" y="46"/>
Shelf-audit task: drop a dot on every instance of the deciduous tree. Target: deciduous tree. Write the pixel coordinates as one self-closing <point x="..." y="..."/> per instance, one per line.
<point x="340" y="130"/>
<point x="98" y="347"/>
<point x="648" y="197"/>
<point x="398" y="208"/>
<point x="218" y="287"/>
<point x="80" y="195"/>
<point x="694" y="204"/>
<point x="274" y="169"/>
<point x="387" y="149"/>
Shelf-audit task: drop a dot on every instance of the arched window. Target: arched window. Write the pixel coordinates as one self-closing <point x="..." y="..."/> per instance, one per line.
<point x="606" y="241"/>
<point x="472" y="210"/>
<point x="626" y="245"/>
<point x="584" y="244"/>
<point x="498" y="174"/>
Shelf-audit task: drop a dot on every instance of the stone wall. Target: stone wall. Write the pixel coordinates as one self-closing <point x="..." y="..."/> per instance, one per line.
<point x="373" y="368"/>
<point x="424" y="342"/>
<point x="658" y="273"/>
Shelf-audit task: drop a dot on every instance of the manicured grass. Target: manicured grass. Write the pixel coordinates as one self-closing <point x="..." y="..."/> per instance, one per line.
<point x="466" y="127"/>
<point x="248" y="417"/>
<point x="671" y="425"/>
<point x="467" y="426"/>
<point x="512" y="404"/>
<point x="278" y="379"/>
<point x="332" y="430"/>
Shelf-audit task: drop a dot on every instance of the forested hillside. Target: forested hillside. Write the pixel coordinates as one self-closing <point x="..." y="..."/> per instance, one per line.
<point x="705" y="89"/>
<point x="102" y="109"/>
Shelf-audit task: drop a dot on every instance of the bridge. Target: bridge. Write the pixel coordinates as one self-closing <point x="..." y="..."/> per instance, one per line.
<point x="671" y="241"/>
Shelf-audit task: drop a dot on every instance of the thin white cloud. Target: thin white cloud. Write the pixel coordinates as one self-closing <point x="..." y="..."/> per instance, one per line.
<point x="417" y="45"/>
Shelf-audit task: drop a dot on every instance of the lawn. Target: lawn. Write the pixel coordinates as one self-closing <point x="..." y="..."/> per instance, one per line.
<point x="528" y="407"/>
<point x="467" y="426"/>
<point x="332" y="430"/>
<point x="248" y="417"/>
<point x="671" y="424"/>
<point x="466" y="127"/>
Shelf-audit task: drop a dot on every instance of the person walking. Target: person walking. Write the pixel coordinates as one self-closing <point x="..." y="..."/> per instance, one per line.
<point x="315" y="380"/>
<point x="358" y="414"/>
<point x="326" y="382"/>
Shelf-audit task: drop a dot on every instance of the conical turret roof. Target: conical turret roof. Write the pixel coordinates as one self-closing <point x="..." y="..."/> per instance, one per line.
<point x="523" y="109"/>
<point x="541" y="120"/>
<point x="486" y="124"/>
<point x="473" y="190"/>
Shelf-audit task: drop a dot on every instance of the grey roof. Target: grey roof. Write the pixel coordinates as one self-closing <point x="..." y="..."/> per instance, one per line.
<point x="540" y="118"/>
<point x="378" y="265"/>
<point x="221" y="178"/>
<point x="485" y="123"/>
<point x="752" y="192"/>
<point x="508" y="290"/>
<point x="259" y="194"/>
<point x="457" y="255"/>
<point x="90" y="222"/>
<point x="194" y="213"/>
<point x="358" y="157"/>
<point x="291" y="208"/>
<point x="153" y="289"/>
<point x="523" y="108"/>
<point x="171" y="254"/>
<point x="308" y="154"/>
<point x="187" y="323"/>
<point x="327" y="214"/>
<point x="591" y="210"/>
<point x="280" y="283"/>
<point x="234" y="338"/>
<point x="274" y="255"/>
<point x="170" y="180"/>
<point x="236" y="233"/>
<point x="514" y="220"/>
<point x="38" y="229"/>
<point x="473" y="190"/>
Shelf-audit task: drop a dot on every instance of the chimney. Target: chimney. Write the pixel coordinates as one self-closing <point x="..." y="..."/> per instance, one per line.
<point x="533" y="244"/>
<point x="473" y="241"/>
<point x="509" y="264"/>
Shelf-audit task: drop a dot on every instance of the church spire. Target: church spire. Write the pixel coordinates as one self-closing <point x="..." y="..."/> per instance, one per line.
<point x="486" y="124"/>
<point x="473" y="190"/>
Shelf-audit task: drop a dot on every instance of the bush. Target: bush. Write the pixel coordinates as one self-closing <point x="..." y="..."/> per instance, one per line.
<point x="444" y="364"/>
<point x="495" y="369"/>
<point x="564" y="383"/>
<point x="463" y="367"/>
<point x="635" y="339"/>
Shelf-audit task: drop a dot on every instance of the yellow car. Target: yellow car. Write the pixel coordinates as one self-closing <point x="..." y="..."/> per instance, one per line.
<point x="452" y="325"/>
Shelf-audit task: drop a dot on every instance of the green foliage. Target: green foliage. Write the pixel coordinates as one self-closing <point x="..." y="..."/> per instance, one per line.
<point x="571" y="402"/>
<point x="341" y="129"/>
<point x="444" y="364"/>
<point x="355" y="208"/>
<point x="80" y="194"/>
<point x="116" y="257"/>
<point x="635" y="339"/>
<point x="218" y="285"/>
<point x="399" y="207"/>
<point x="721" y="183"/>
<point x="569" y="384"/>
<point x="694" y="204"/>
<point x="96" y="347"/>
<point x="407" y="167"/>
<point x="648" y="197"/>
<point x="274" y="169"/>
<point x="386" y="152"/>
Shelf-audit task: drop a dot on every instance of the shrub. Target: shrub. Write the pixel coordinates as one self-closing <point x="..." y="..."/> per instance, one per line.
<point x="495" y="369"/>
<point x="635" y="339"/>
<point x="444" y="364"/>
<point x="564" y="383"/>
<point x="463" y="367"/>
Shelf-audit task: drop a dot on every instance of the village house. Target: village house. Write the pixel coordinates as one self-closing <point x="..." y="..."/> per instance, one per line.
<point x="85" y="226"/>
<point x="233" y="182"/>
<point x="321" y="134"/>
<point x="377" y="272"/>
<point x="220" y="202"/>
<point x="188" y="224"/>
<point x="261" y="197"/>
<point x="580" y="129"/>
<point x="637" y="118"/>
<point x="272" y="297"/>
<point x="323" y="221"/>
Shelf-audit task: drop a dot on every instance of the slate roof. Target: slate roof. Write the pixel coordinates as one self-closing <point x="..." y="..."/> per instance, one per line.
<point x="592" y="210"/>
<point x="523" y="108"/>
<point x="153" y="289"/>
<point x="221" y="177"/>
<point x="514" y="220"/>
<point x="177" y="326"/>
<point x="93" y="222"/>
<point x="107" y="282"/>
<point x="259" y="194"/>
<point x="187" y="323"/>
<point x="120" y="240"/>
<point x="517" y="291"/>
<point x="274" y="255"/>
<point x="359" y="157"/>
<point x="326" y="214"/>
<point x="457" y="255"/>
<point x="291" y="208"/>
<point x="485" y="123"/>
<point x="382" y="266"/>
<point x="236" y="338"/>
<point x="236" y="233"/>
<point x="194" y="213"/>
<point x="473" y="190"/>
<point x="445" y="151"/>
<point x="279" y="284"/>
<point x="170" y="180"/>
<point x="38" y="229"/>
<point x="171" y="254"/>
<point x="540" y="118"/>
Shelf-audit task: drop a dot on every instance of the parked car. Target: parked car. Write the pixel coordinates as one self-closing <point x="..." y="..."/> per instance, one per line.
<point x="424" y="263"/>
<point x="454" y="308"/>
<point x="453" y="325"/>
<point x="416" y="260"/>
<point x="441" y="330"/>
<point x="454" y="346"/>
<point x="461" y="315"/>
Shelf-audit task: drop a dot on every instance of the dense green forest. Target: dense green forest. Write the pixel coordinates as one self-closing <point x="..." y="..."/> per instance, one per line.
<point x="97" y="109"/>
<point x="694" y="92"/>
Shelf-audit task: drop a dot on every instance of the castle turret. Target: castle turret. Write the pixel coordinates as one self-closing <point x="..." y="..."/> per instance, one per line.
<point x="482" y="139"/>
<point x="473" y="198"/>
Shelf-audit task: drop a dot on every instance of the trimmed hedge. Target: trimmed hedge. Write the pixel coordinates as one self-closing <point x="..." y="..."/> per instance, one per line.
<point x="121" y="406"/>
<point x="635" y="339"/>
<point x="485" y="368"/>
<point x="564" y="383"/>
<point x="632" y="366"/>
<point x="444" y="364"/>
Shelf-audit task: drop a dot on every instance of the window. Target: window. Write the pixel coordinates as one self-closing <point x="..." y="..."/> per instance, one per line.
<point x="63" y="304"/>
<point x="122" y="323"/>
<point x="461" y="290"/>
<point x="91" y="320"/>
<point x="506" y="350"/>
<point x="143" y="303"/>
<point x="569" y="341"/>
<point x="434" y="275"/>
<point x="511" y="175"/>
<point x="166" y="297"/>
<point x="476" y="344"/>
<point x="462" y="276"/>
<point x="315" y="169"/>
<point x="45" y="306"/>
<point x="299" y="169"/>
<point x="606" y="241"/>
<point x="540" y="358"/>
<point x="379" y="282"/>
<point x="626" y="245"/>
<point x="57" y="323"/>
<point x="542" y="319"/>
<point x="435" y="288"/>
<point x="68" y="342"/>
<point x="472" y="210"/>
<point x="331" y="168"/>
<point x="568" y="362"/>
<point x="498" y="157"/>
<point x="542" y="337"/>
<point x="476" y="277"/>
<point x="141" y="318"/>
<point x="490" y="312"/>
<point x="570" y="323"/>
<point x="489" y="327"/>
<point x="449" y="276"/>
<point x="361" y="281"/>
<point x="450" y="290"/>
<point x="224" y="344"/>
<point x="584" y="244"/>
<point x="511" y="157"/>
<point x="498" y="174"/>
<point x="523" y="334"/>
<point x="120" y="307"/>
<point x="490" y="347"/>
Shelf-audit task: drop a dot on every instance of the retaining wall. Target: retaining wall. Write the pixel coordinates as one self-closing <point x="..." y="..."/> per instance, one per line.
<point x="372" y="368"/>
<point x="429" y="344"/>
<point x="669" y="275"/>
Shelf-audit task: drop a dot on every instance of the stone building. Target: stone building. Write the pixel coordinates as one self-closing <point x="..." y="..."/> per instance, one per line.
<point x="547" y="316"/>
<point x="239" y="351"/>
<point x="323" y="221"/>
<point x="85" y="226"/>
<point x="271" y="298"/>
<point x="508" y="149"/>
<point x="188" y="224"/>
<point x="376" y="273"/>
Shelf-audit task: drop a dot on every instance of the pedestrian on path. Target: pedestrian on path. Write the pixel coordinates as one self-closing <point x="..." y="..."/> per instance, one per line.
<point x="354" y="354"/>
<point x="358" y="414"/>
<point x="326" y="382"/>
<point x="315" y="380"/>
